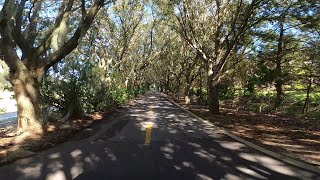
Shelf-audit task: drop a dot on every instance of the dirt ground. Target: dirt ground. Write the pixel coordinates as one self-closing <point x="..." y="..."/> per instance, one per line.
<point x="289" y="136"/>
<point x="14" y="146"/>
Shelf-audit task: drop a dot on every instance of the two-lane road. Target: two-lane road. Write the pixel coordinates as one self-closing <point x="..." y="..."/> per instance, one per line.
<point x="159" y="141"/>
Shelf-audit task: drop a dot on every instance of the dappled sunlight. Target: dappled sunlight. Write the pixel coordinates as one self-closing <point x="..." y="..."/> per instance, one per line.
<point x="281" y="169"/>
<point x="178" y="168"/>
<point x="286" y="146"/>
<point x="226" y="158"/>
<point x="231" y="145"/>
<point x="295" y="137"/>
<point x="78" y="166"/>
<point x="76" y="153"/>
<point x="33" y="171"/>
<point x="112" y="157"/>
<point x="165" y="120"/>
<point x="260" y="170"/>
<point x="188" y="165"/>
<point x="179" y="148"/>
<point x="268" y="162"/>
<point x="250" y="172"/>
<point x="232" y="177"/>
<point x="76" y="170"/>
<point x="202" y="177"/>
<point x="55" y="165"/>
<point x="56" y="175"/>
<point x="205" y="154"/>
<point x="167" y="149"/>
<point x="248" y="157"/>
<point x="275" y="165"/>
<point x="19" y="145"/>
<point x="54" y="156"/>
<point x="168" y="156"/>
<point x="241" y="65"/>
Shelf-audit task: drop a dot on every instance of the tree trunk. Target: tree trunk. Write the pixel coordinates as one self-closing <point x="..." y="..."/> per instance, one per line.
<point x="278" y="70"/>
<point x="199" y="93"/>
<point x="69" y="114"/>
<point x="27" y="93"/>
<point x="214" y="106"/>
<point x="279" y="91"/>
<point x="213" y="92"/>
<point x="187" y="87"/>
<point x="186" y="93"/>
<point x="168" y="84"/>
<point x="177" y="90"/>
<point x="307" y="100"/>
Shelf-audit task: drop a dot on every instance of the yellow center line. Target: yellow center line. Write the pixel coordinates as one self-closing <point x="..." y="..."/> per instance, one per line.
<point x="148" y="134"/>
<point x="149" y="126"/>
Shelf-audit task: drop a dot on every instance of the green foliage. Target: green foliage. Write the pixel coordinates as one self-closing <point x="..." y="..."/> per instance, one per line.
<point x="122" y="95"/>
<point x="2" y="110"/>
<point x="249" y="91"/>
<point x="133" y="45"/>
<point x="226" y="91"/>
<point x="78" y="86"/>
<point x="313" y="114"/>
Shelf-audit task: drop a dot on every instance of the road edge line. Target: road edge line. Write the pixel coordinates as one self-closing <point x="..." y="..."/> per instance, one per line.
<point x="254" y="146"/>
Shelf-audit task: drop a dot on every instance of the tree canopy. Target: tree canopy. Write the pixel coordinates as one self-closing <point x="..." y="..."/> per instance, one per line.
<point x="77" y="57"/>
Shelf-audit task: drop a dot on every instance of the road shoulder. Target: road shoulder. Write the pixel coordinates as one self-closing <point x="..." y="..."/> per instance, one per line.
<point x="254" y="146"/>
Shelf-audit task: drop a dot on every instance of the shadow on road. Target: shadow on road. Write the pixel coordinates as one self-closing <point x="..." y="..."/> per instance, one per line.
<point x="181" y="148"/>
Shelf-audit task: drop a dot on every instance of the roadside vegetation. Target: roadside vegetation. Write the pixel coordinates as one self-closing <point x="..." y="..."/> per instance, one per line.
<point x="68" y="60"/>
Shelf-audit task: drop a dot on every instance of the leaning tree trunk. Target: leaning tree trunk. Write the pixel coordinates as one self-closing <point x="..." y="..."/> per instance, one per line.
<point x="27" y="94"/>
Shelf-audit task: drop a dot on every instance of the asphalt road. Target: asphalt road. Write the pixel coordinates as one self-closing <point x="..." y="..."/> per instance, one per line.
<point x="159" y="141"/>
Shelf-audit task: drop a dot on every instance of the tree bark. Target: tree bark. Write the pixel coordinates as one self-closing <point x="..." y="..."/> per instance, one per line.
<point x="279" y="91"/>
<point x="199" y="91"/>
<point x="214" y="106"/>
<point x="168" y="84"/>
<point x="178" y="77"/>
<point x="25" y="70"/>
<point x="26" y="90"/>
<point x="278" y="70"/>
<point x="307" y="100"/>
<point x="213" y="92"/>
<point x="186" y="92"/>
<point x="187" y="87"/>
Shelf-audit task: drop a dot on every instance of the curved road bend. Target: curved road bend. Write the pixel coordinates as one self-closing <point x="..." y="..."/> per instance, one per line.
<point x="159" y="141"/>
